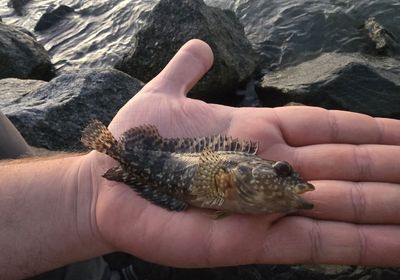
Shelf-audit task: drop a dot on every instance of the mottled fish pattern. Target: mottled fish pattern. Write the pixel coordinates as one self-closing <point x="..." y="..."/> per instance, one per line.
<point x="214" y="172"/>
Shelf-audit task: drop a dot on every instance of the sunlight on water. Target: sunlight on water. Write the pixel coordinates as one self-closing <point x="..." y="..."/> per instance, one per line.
<point x="282" y="31"/>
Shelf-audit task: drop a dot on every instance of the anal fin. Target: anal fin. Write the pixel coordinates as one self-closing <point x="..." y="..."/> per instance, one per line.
<point x="161" y="199"/>
<point x="146" y="191"/>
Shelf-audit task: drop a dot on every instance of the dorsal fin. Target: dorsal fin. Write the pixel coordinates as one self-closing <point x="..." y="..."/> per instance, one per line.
<point x="147" y="137"/>
<point x="224" y="143"/>
<point x="142" y="137"/>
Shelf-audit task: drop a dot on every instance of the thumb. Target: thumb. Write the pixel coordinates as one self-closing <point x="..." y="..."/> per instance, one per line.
<point x="185" y="69"/>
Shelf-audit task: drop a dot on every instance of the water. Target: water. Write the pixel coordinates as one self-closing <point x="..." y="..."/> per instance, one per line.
<point x="287" y="32"/>
<point x="283" y="32"/>
<point x="95" y="35"/>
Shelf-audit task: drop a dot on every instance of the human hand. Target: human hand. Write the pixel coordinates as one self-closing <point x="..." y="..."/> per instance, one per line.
<point x="351" y="158"/>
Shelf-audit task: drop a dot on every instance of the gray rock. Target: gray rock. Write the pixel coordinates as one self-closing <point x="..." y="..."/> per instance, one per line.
<point x="21" y="56"/>
<point x="18" y="5"/>
<point x="26" y="31"/>
<point x="337" y="81"/>
<point x="52" y="17"/>
<point x="172" y="23"/>
<point x="52" y="115"/>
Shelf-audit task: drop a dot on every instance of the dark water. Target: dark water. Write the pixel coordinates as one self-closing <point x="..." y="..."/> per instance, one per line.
<point x="283" y="32"/>
<point x="288" y="32"/>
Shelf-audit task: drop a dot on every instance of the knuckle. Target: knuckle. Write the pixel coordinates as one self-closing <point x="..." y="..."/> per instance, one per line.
<point x="362" y="246"/>
<point x="358" y="202"/>
<point x="315" y="242"/>
<point x="362" y="160"/>
<point x="333" y="126"/>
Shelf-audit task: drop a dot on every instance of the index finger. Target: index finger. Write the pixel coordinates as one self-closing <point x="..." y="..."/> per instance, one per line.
<point x="304" y="125"/>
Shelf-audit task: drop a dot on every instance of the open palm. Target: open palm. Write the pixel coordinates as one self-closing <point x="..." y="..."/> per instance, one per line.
<point x="351" y="158"/>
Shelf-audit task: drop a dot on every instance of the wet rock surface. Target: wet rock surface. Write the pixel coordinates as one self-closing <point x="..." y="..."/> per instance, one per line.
<point x="337" y="81"/>
<point x="21" y="56"/>
<point x="52" y="17"/>
<point x="172" y="23"/>
<point x="53" y="115"/>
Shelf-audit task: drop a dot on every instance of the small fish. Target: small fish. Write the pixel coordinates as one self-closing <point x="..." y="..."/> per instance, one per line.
<point x="215" y="172"/>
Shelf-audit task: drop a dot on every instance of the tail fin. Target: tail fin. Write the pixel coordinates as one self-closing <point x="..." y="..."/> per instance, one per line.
<point x="96" y="136"/>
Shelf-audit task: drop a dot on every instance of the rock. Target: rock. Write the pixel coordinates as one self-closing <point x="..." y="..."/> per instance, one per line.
<point x="384" y="40"/>
<point x="53" y="17"/>
<point x="26" y="31"/>
<point x="172" y="23"/>
<point x="18" y="5"/>
<point x="21" y="56"/>
<point x="337" y="81"/>
<point x="52" y="115"/>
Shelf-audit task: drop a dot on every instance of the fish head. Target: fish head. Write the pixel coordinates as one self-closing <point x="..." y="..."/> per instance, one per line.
<point x="268" y="186"/>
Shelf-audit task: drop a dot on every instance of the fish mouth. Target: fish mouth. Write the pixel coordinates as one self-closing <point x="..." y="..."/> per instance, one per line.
<point x="304" y="187"/>
<point x="306" y="205"/>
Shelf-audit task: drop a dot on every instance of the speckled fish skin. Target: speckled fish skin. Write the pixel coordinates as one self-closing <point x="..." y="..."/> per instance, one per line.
<point x="215" y="172"/>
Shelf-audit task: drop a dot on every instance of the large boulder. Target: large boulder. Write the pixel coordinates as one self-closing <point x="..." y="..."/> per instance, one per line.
<point x="172" y="23"/>
<point x="337" y="81"/>
<point x="21" y="56"/>
<point x="53" y="115"/>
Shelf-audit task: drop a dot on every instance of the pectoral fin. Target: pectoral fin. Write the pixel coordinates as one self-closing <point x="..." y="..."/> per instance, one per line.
<point x="204" y="184"/>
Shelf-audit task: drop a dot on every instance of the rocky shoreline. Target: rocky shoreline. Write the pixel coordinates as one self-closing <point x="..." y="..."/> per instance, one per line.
<point x="49" y="102"/>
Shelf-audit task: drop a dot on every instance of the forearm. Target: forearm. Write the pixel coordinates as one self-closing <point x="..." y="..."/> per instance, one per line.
<point x="45" y="215"/>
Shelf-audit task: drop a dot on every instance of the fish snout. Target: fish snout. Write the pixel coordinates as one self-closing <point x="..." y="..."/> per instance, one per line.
<point x="304" y="187"/>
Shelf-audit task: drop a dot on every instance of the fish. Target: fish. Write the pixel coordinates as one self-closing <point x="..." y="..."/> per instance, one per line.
<point x="213" y="172"/>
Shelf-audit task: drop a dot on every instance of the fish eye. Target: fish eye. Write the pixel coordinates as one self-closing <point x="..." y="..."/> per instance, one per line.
<point x="282" y="168"/>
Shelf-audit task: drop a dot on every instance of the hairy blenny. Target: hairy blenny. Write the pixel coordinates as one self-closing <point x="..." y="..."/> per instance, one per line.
<point x="215" y="172"/>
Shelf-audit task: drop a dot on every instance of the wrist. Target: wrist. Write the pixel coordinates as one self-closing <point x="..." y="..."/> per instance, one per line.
<point x="88" y="170"/>
<point x="46" y="213"/>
